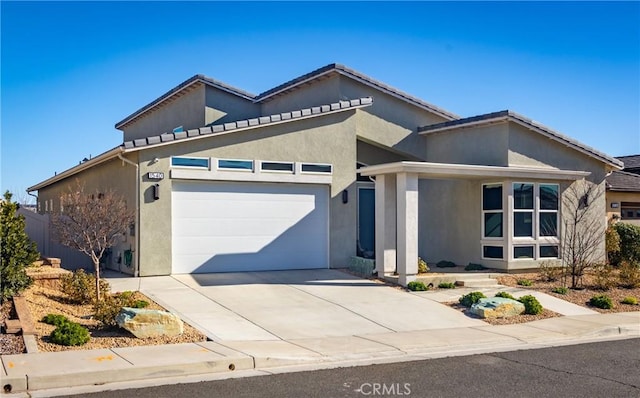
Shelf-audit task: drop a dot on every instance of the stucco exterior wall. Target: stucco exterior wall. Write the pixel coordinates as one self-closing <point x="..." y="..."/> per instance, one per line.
<point x="114" y="175"/>
<point x="326" y="139"/>
<point x="370" y="154"/>
<point x="222" y="107"/>
<point x="486" y="145"/>
<point x="187" y="111"/>
<point x="321" y="92"/>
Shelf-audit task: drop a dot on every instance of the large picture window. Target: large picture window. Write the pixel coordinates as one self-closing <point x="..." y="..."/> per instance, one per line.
<point x="535" y="220"/>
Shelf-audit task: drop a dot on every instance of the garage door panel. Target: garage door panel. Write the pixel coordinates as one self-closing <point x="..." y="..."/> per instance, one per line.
<point x="227" y="227"/>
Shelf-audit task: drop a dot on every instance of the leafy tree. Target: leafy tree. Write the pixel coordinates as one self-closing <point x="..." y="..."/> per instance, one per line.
<point x="91" y="223"/>
<point x="17" y="250"/>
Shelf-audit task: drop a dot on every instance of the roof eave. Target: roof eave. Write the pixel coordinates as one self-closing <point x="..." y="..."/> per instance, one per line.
<point x="113" y="153"/>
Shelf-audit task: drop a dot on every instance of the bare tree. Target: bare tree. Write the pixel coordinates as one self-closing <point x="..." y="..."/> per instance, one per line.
<point x="91" y="222"/>
<point x="584" y="226"/>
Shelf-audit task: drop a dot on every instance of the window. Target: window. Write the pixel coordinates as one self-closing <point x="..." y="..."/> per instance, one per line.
<point x="277" y="166"/>
<point x="495" y="252"/>
<point x="190" y="162"/>
<point x="523" y="252"/>
<point x="522" y="210"/>
<point x="316" y="168"/>
<point x="535" y="220"/>
<point x="492" y="213"/>
<point x="548" y="251"/>
<point x="630" y="210"/>
<point x="235" y="164"/>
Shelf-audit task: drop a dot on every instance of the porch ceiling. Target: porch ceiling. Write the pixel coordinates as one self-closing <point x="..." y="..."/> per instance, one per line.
<point x="467" y="171"/>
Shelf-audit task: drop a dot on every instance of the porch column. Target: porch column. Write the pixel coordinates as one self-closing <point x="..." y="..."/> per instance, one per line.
<point x="385" y="224"/>
<point x="407" y="228"/>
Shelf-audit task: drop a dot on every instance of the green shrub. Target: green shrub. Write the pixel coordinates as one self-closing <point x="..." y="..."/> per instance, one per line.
<point x="612" y="244"/>
<point x="111" y="304"/>
<point x="17" y="251"/>
<point x="629" y="241"/>
<point x="417" y="286"/>
<point x="525" y="282"/>
<point x="470" y="299"/>
<point x="560" y="290"/>
<point x="630" y="300"/>
<point x="55" y="319"/>
<point x="447" y="285"/>
<point x="550" y="271"/>
<point x="505" y="295"/>
<point x="629" y="275"/>
<point x="604" y="278"/>
<point x="531" y="305"/>
<point x="140" y="304"/>
<point x="445" y="264"/>
<point x="601" y="301"/>
<point x="80" y="287"/>
<point x="474" y="267"/>
<point x="70" y="333"/>
<point x="423" y="268"/>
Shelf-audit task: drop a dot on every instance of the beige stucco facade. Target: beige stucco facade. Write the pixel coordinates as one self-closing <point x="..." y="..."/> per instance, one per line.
<point x="614" y="205"/>
<point x="448" y="208"/>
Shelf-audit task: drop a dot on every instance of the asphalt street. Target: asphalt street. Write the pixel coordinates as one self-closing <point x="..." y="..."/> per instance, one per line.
<point x="606" y="369"/>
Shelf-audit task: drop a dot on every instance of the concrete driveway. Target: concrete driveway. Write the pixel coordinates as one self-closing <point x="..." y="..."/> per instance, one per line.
<point x="287" y="305"/>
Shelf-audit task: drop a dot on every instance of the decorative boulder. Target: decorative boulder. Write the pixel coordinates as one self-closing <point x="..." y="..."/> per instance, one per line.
<point x="144" y="323"/>
<point x="497" y="307"/>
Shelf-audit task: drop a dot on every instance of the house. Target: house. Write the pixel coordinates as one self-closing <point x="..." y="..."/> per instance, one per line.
<point x="623" y="191"/>
<point x="329" y="165"/>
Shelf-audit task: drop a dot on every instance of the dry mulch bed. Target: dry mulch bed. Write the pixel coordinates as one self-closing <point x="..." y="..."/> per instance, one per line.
<point x="9" y="343"/>
<point x="43" y="301"/>
<point x="505" y="321"/>
<point x="577" y="296"/>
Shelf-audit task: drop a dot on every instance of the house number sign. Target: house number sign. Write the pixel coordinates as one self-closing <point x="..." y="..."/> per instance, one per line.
<point x="155" y="175"/>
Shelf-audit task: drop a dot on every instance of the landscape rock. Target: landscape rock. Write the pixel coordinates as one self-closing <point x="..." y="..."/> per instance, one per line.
<point x="144" y="323"/>
<point x="497" y="307"/>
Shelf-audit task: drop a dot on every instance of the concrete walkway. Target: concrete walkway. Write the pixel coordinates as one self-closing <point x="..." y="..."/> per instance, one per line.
<point x="364" y="331"/>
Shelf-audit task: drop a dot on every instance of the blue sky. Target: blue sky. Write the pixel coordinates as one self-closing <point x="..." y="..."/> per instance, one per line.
<point x="70" y="71"/>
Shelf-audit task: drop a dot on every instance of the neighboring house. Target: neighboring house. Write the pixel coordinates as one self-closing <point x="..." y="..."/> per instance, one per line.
<point x="623" y="191"/>
<point x="328" y="165"/>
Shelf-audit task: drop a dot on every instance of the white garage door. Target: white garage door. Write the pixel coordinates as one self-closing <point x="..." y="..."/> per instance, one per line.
<point x="229" y="227"/>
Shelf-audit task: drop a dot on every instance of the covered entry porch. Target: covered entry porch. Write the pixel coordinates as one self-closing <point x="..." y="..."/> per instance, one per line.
<point x="398" y="225"/>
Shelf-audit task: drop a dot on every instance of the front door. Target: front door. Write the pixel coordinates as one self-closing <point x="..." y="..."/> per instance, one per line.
<point x="366" y="221"/>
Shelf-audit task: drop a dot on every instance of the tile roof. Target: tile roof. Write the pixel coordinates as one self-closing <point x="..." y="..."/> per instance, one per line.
<point x="508" y="115"/>
<point x="630" y="161"/>
<point x="250" y="123"/>
<point x="188" y="84"/>
<point x="178" y="90"/>
<point x="345" y="71"/>
<point x="623" y="181"/>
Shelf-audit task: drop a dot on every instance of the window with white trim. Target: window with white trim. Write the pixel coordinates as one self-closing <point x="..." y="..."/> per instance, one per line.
<point x="179" y="161"/>
<point x="535" y="220"/>
<point x="492" y="211"/>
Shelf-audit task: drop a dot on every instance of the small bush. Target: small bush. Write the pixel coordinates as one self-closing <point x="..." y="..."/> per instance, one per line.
<point x="80" y="287"/>
<point x="447" y="285"/>
<point x="629" y="275"/>
<point x="550" y="271"/>
<point x="525" y="282"/>
<point x="54" y="319"/>
<point x="474" y="267"/>
<point x="603" y="274"/>
<point x="505" y="295"/>
<point x="601" y="301"/>
<point x="417" y="286"/>
<point x="629" y="241"/>
<point x="531" y="305"/>
<point x="445" y="264"/>
<point x="423" y="268"/>
<point x="69" y="334"/>
<point x="630" y="300"/>
<point x="560" y="290"/>
<point x="470" y="299"/>
<point x="140" y="304"/>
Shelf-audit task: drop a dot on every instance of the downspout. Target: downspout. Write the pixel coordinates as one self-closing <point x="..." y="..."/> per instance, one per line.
<point x="136" y="269"/>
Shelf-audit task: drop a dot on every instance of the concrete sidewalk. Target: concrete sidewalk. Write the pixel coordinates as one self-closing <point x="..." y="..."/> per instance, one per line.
<point x="46" y="371"/>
